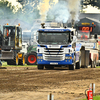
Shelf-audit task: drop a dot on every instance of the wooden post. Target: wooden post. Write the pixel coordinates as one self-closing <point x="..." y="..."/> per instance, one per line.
<point x="92" y="88"/>
<point x="50" y="96"/>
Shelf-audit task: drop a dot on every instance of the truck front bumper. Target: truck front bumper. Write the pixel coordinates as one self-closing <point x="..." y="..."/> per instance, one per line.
<point x="64" y="62"/>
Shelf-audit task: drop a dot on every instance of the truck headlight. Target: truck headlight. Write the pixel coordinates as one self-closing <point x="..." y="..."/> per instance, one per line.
<point x="39" y="57"/>
<point x="68" y="57"/>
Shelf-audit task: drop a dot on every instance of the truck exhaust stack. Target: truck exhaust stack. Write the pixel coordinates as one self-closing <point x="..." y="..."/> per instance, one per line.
<point x="72" y="18"/>
<point x="72" y="23"/>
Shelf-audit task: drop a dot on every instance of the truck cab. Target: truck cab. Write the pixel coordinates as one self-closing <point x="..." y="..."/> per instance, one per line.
<point x="12" y="44"/>
<point x="56" y="48"/>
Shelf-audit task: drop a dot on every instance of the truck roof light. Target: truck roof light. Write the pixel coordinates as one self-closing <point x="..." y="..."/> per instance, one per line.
<point x="7" y="24"/>
<point x="92" y="23"/>
<point x="19" y="24"/>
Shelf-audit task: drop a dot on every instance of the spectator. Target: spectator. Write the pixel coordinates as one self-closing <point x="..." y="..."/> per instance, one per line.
<point x="1" y="38"/>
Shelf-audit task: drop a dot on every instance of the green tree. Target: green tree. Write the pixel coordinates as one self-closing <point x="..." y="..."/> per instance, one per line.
<point x="94" y="3"/>
<point x="29" y="11"/>
<point x="6" y="10"/>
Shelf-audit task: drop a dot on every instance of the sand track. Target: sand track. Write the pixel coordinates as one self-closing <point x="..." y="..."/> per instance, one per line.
<point x="29" y="83"/>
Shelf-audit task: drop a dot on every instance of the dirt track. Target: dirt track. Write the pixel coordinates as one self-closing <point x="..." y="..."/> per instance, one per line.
<point x="29" y="83"/>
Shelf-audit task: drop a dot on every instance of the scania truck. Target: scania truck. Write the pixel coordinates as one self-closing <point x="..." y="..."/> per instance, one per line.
<point x="57" y="48"/>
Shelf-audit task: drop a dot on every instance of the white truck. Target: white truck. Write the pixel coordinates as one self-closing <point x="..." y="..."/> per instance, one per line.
<point x="57" y="47"/>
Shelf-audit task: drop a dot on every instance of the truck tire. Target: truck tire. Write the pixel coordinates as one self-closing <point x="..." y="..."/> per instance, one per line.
<point x="72" y="67"/>
<point x="22" y="61"/>
<point x="78" y="64"/>
<point x="40" y="66"/>
<point x="9" y="62"/>
<point x="31" y="59"/>
<point x="13" y="61"/>
<point x="93" y="65"/>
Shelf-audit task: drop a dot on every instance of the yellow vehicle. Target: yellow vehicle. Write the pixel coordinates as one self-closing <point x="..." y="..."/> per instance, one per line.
<point x="11" y="45"/>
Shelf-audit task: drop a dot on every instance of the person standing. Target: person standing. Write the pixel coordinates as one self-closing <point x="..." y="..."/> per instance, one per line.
<point x="1" y="38"/>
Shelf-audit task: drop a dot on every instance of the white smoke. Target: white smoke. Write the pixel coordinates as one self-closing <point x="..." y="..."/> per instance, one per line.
<point x="74" y="8"/>
<point x="65" y="10"/>
<point x="60" y="12"/>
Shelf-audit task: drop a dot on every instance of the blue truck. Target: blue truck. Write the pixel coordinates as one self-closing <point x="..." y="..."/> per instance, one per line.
<point x="57" y="47"/>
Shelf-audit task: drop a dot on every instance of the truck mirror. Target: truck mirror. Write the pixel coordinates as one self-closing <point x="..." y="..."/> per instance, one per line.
<point x="72" y="33"/>
<point x="69" y="41"/>
<point x="95" y="36"/>
<point x="73" y="45"/>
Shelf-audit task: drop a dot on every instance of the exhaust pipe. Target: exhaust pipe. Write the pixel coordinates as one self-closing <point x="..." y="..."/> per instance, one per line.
<point x="42" y="25"/>
<point x="73" y="22"/>
<point x="72" y="16"/>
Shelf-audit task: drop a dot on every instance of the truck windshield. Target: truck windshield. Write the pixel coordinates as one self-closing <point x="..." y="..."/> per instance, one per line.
<point x="53" y="38"/>
<point x="9" y="35"/>
<point x="83" y="35"/>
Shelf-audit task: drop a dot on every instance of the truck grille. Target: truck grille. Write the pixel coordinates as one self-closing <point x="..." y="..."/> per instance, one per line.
<point x="53" y="54"/>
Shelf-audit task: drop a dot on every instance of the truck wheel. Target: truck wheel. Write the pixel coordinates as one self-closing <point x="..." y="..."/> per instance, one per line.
<point x="40" y="66"/>
<point x="9" y="62"/>
<point x="13" y="61"/>
<point x="93" y="65"/>
<point x="72" y="67"/>
<point x="78" y="65"/>
<point x="22" y="61"/>
<point x="16" y="59"/>
<point x="31" y="59"/>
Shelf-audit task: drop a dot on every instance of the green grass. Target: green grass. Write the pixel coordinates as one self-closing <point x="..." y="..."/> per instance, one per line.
<point x="4" y="64"/>
<point x="98" y="67"/>
<point x="94" y="98"/>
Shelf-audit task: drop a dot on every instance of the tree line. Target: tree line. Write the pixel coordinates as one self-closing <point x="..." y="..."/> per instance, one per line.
<point x="29" y="10"/>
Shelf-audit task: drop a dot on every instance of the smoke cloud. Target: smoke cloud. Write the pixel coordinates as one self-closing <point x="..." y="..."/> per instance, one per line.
<point x="43" y="7"/>
<point x="59" y="12"/>
<point x="65" y="10"/>
<point x="74" y="8"/>
<point x="53" y="10"/>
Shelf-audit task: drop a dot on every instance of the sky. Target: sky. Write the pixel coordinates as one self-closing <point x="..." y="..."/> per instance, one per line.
<point x="89" y="9"/>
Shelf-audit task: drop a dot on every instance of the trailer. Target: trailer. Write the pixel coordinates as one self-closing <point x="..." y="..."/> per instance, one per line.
<point x="89" y="43"/>
<point x="89" y="49"/>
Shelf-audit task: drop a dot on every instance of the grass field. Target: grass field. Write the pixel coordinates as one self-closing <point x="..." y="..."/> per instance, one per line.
<point x="4" y="64"/>
<point x="98" y="67"/>
<point x="94" y="98"/>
